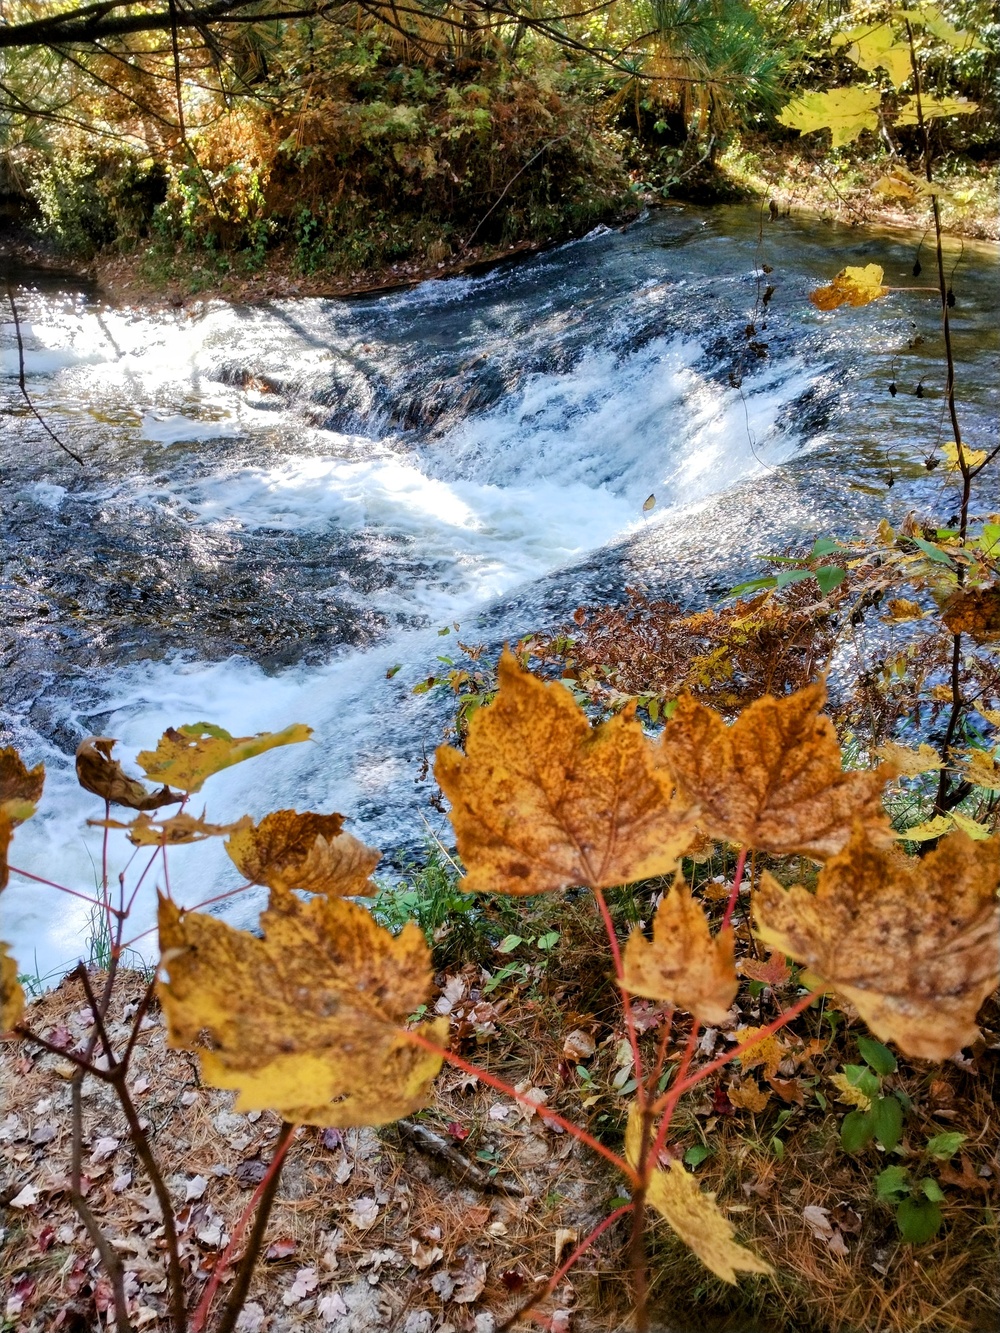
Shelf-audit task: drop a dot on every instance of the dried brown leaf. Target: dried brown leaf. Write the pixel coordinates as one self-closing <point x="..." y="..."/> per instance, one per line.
<point x="541" y="800"/>
<point x="684" y="963"/>
<point x="765" y="1052"/>
<point x="170" y="832"/>
<point x="774" y="779"/>
<point x="20" y="791"/>
<point x="748" y="1095"/>
<point x="97" y="772"/>
<point x="287" y="850"/>
<point x="913" y="943"/>
<point x="11" y="991"/>
<point x="974" y="611"/>
<point x="309" y="1020"/>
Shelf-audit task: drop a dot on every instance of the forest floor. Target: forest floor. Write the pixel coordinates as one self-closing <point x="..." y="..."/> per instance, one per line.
<point x="447" y="1223"/>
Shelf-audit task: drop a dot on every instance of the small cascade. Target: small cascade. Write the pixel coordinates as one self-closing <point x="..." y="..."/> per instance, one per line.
<point x="282" y="504"/>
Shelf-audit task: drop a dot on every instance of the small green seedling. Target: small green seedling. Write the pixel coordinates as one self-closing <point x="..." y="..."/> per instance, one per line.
<point x="882" y="1122"/>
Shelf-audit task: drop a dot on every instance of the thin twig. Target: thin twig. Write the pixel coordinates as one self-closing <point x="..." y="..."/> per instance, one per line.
<point x="21" y="384"/>
<point x="269" y="1188"/>
<point x="560" y="1273"/>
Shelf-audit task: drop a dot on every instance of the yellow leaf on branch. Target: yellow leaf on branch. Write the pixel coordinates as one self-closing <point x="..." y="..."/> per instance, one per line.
<point x="310" y="851"/>
<point x="851" y="286"/>
<point x="905" y="762"/>
<point x="845" y="112"/>
<point x="308" y="1021"/>
<point x="542" y="800"/>
<point x="11" y="991"/>
<point x="692" y="1213"/>
<point x="684" y="964"/>
<point x="874" y="48"/>
<point x="975" y="612"/>
<point x="186" y="757"/>
<point x="774" y="779"/>
<point x="934" y="108"/>
<point x="913" y="943"/>
<point x="982" y="769"/>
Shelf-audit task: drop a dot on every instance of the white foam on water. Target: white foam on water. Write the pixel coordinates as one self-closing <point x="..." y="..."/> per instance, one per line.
<point x="179" y="429"/>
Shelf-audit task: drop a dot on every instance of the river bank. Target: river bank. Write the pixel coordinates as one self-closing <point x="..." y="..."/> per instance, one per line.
<point x="834" y="189"/>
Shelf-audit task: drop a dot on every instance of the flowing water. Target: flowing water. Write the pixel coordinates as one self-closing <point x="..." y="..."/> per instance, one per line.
<point x="281" y="503"/>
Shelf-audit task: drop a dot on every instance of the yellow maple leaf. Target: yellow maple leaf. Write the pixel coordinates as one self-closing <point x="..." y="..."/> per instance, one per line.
<point x="11" y="991"/>
<point x="310" y="851"/>
<point x="308" y="1021"/>
<point x="186" y="757"/>
<point x="748" y="1095"/>
<point x="774" y="779"/>
<point x="911" y="942"/>
<point x="20" y="791"/>
<point x="845" y="112"/>
<point x="848" y="1093"/>
<point x="852" y="286"/>
<point x="976" y="612"/>
<point x="973" y="457"/>
<point x="933" y="21"/>
<point x="894" y="187"/>
<point x="692" y="1213"/>
<point x="170" y="832"/>
<point x="767" y="1051"/>
<point x="684" y="964"/>
<point x="96" y="771"/>
<point x="934" y="108"/>
<point x="542" y="800"/>
<point x="901" y="609"/>
<point x="903" y="761"/>
<point x="982" y="769"/>
<point x="970" y="826"/>
<point x="874" y="48"/>
<point x="936" y="827"/>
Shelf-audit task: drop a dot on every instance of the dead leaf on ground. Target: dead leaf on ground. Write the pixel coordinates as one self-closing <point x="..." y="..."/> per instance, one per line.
<point x="308" y="1021"/>
<point x="748" y="1095"/>
<point x="310" y="851"/>
<point x="772" y="971"/>
<point x="97" y="772"/>
<point x="684" y="964"/>
<point x="847" y="1092"/>
<point x="765" y="1051"/>
<point x="913" y="943"/>
<point x="186" y="757"/>
<point x="542" y="800"/>
<point x="773" y="780"/>
<point x="693" y="1214"/>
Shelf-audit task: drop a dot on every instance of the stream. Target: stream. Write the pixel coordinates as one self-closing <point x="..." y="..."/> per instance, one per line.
<point x="279" y="504"/>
